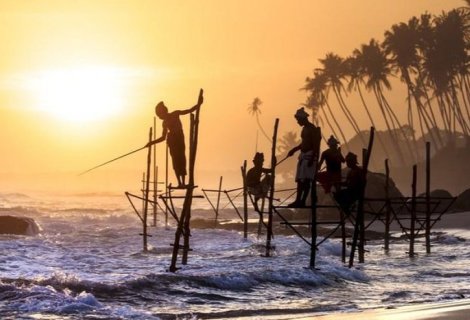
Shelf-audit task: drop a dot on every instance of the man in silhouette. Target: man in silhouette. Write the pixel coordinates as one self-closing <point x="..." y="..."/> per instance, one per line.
<point x="354" y="184"/>
<point x="173" y="133"/>
<point x="309" y="149"/>
<point x="256" y="185"/>
<point x="333" y="159"/>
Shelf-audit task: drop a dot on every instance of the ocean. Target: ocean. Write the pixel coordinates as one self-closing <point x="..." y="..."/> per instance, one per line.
<point x="87" y="263"/>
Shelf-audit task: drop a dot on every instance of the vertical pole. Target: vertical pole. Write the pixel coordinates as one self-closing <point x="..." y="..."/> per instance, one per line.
<point x="428" y="197"/>
<point x="245" y="202"/>
<point x="147" y="187"/>
<point x="218" y="200"/>
<point x="155" y="173"/>
<point x="143" y="191"/>
<point x="360" y="206"/>
<point x="413" y="213"/>
<point x="360" y="214"/>
<point x="155" y="194"/>
<point x="167" y="193"/>
<point x="271" y="191"/>
<point x="387" y="207"/>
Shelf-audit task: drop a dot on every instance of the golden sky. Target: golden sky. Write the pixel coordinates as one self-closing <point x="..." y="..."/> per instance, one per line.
<point x="79" y="79"/>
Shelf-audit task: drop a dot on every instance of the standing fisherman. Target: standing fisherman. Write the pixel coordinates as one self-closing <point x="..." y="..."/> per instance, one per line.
<point x="173" y="132"/>
<point x="309" y="150"/>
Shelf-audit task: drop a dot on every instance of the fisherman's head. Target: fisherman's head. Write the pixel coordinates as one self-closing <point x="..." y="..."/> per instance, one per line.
<point x="351" y="159"/>
<point x="161" y="110"/>
<point x="258" y="160"/>
<point x="332" y="142"/>
<point x="301" y="116"/>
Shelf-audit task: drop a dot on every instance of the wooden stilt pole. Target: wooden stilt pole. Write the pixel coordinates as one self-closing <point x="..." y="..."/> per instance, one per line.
<point x="218" y="200"/>
<point x="269" y="233"/>
<point x="428" y="197"/>
<point x="387" y="207"/>
<point x="413" y="213"/>
<point x="343" y="235"/>
<point x="167" y="193"/>
<point x="155" y="195"/>
<point x="359" y="227"/>
<point x="155" y="173"/>
<point x="245" y="202"/>
<point x="146" y="197"/>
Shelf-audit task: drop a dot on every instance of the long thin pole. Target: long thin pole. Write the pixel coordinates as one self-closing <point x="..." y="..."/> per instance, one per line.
<point x="271" y="193"/>
<point x="387" y="207"/>
<point x="413" y="213"/>
<point x="166" y="183"/>
<point x="218" y="200"/>
<point x="117" y="158"/>
<point x="147" y="187"/>
<point x="155" y="173"/>
<point x="245" y="202"/>
<point x="428" y="197"/>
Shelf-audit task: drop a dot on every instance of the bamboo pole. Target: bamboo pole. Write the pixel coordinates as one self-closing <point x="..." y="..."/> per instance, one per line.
<point x="413" y="213"/>
<point x="428" y="197"/>
<point x="218" y="200"/>
<point x="387" y="207"/>
<point x="245" y="202"/>
<point x="269" y="233"/>
<point x="166" y="182"/>
<point x="147" y="187"/>
<point x="155" y="172"/>
<point x="359" y="226"/>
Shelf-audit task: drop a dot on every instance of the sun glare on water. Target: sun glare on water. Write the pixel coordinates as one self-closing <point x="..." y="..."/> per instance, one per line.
<point x="79" y="94"/>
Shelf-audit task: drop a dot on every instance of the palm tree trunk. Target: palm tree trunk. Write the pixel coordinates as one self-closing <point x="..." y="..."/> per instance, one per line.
<point x="261" y="128"/>
<point x="337" y="125"/>
<point x="393" y="138"/>
<point x="400" y="128"/>
<point x="372" y="122"/>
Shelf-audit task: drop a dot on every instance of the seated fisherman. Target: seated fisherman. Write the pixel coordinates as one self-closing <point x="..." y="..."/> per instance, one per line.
<point x="333" y="159"/>
<point x="256" y="186"/>
<point x="354" y="184"/>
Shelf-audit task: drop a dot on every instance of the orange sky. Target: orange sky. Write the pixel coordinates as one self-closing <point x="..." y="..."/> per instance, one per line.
<point x="107" y="63"/>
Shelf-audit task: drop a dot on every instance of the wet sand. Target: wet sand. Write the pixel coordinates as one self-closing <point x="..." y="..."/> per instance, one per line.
<point x="458" y="310"/>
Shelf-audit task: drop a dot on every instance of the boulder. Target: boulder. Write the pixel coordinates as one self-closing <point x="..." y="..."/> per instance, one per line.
<point x="18" y="225"/>
<point x="463" y="202"/>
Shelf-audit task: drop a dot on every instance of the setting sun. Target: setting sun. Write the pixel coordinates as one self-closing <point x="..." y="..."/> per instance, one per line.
<point x="78" y="94"/>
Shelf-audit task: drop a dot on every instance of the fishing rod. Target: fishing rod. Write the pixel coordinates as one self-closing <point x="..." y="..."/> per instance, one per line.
<point x="124" y="155"/>
<point x="284" y="159"/>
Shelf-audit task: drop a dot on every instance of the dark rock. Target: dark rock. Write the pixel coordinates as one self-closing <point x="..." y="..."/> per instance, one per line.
<point x="463" y="202"/>
<point x="18" y="225"/>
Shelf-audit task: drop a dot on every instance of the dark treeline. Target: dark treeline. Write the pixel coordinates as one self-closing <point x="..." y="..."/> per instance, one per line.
<point x="429" y="54"/>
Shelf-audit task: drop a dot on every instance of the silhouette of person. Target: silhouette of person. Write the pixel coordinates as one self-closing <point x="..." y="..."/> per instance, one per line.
<point x="309" y="149"/>
<point x="256" y="186"/>
<point x="354" y="184"/>
<point x="173" y="133"/>
<point x="333" y="159"/>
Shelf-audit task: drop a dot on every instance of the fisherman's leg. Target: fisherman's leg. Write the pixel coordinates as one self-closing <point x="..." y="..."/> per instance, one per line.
<point x="305" y="191"/>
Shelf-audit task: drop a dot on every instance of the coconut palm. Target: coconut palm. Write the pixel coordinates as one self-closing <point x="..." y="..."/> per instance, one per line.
<point x="444" y="57"/>
<point x="334" y="70"/>
<point x="402" y="43"/>
<point x="317" y="86"/>
<point x="254" y="109"/>
<point x="355" y="71"/>
<point x="376" y="70"/>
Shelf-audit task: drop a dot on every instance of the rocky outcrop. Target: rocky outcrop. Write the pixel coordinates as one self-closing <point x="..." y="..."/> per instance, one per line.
<point x="18" y="225"/>
<point x="463" y="202"/>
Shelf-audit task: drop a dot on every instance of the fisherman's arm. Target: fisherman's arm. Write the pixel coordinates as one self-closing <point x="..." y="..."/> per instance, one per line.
<point x="293" y="150"/>
<point x="158" y="140"/>
<point x="200" y="100"/>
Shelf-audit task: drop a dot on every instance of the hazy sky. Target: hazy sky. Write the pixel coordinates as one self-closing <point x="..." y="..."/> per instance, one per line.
<point x="79" y="79"/>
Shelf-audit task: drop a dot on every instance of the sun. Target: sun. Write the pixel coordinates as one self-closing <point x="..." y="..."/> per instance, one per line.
<point x="80" y="94"/>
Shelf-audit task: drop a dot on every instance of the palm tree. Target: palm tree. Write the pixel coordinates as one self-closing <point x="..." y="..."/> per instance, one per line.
<point x="317" y="86"/>
<point x="356" y="74"/>
<point x="254" y="109"/>
<point x="376" y="70"/>
<point x="444" y="56"/>
<point x="402" y="43"/>
<point x="334" y="70"/>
